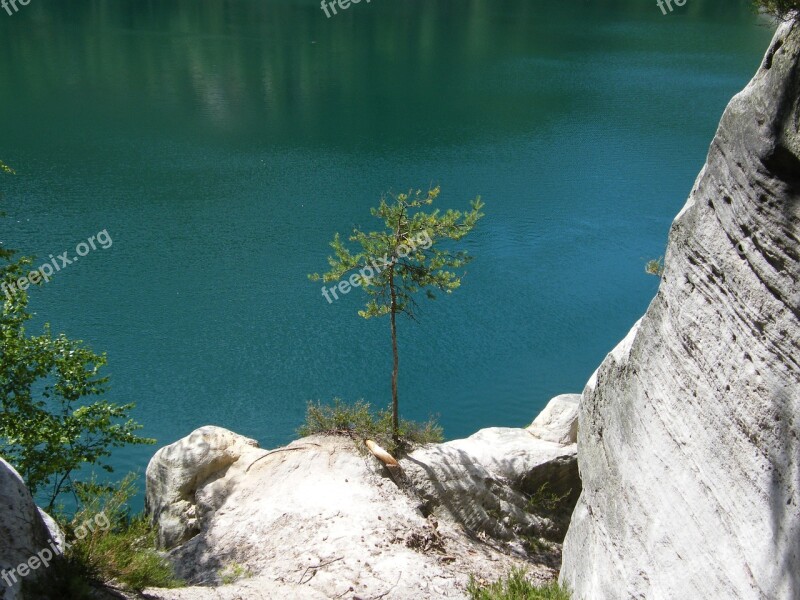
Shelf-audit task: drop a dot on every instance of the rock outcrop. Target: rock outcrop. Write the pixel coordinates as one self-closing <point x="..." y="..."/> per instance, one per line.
<point x="688" y="446"/>
<point x="558" y="422"/>
<point x="25" y="532"/>
<point x="491" y="482"/>
<point x="321" y="519"/>
<point x="182" y="490"/>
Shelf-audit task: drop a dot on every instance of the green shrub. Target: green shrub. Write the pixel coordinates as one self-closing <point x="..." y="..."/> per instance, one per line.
<point x="360" y="422"/>
<point x="655" y="267"/>
<point x="127" y="556"/>
<point x="233" y="572"/>
<point x="52" y="423"/>
<point x="106" y="546"/>
<point x="124" y="552"/>
<point x="779" y="8"/>
<point x="546" y="501"/>
<point x="515" y="587"/>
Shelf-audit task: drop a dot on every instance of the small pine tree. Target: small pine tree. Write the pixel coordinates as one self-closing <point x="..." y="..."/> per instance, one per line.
<point x="394" y="264"/>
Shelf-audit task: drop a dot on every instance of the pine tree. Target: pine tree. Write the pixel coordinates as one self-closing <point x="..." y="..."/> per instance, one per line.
<point x="394" y="264"/>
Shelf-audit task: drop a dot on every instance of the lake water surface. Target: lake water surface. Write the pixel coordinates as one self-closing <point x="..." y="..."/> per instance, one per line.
<point x="222" y="143"/>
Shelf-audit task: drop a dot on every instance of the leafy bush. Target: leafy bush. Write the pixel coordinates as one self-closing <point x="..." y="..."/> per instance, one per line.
<point x="360" y="422"/>
<point x="782" y="9"/>
<point x="127" y="555"/>
<point x="50" y="426"/>
<point x="515" y="587"/>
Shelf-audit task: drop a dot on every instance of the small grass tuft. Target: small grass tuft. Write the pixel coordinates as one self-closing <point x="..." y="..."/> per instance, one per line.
<point x="536" y="545"/>
<point x="515" y="587"/>
<point x="233" y="572"/>
<point x="655" y="267"/>
<point x="360" y="422"/>
<point x="545" y="501"/>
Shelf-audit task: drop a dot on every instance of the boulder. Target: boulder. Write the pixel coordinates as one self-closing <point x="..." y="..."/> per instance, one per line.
<point x="181" y="490"/>
<point x="54" y="533"/>
<point x="558" y="422"/>
<point x="490" y="482"/>
<point x="689" y="443"/>
<point x="26" y="534"/>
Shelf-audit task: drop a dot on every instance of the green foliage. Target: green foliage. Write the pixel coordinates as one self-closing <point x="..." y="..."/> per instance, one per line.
<point x="544" y="500"/>
<point x="655" y="267"/>
<point x="127" y="556"/>
<point x="536" y="545"/>
<point x="107" y="546"/>
<point x="515" y="587"/>
<point x="233" y="573"/>
<point x="782" y="9"/>
<point x="360" y="422"/>
<point x="124" y="552"/>
<point x="339" y="419"/>
<point x="48" y="430"/>
<point x="424" y="268"/>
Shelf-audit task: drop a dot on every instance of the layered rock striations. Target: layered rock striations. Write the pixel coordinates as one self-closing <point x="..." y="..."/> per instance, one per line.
<point x="688" y="446"/>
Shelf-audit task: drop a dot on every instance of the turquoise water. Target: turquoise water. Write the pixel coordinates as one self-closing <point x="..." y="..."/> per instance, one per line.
<point x="221" y="144"/>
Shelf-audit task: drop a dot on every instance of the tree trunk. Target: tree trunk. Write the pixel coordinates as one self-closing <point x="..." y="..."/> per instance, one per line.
<point x="395" y="368"/>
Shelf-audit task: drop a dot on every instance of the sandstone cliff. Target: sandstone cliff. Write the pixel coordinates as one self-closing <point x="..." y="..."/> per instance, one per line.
<point x="688" y="445"/>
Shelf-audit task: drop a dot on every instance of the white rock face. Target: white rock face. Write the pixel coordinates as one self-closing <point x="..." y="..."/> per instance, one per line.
<point x="181" y="477"/>
<point x="558" y="422"/>
<point x="23" y="532"/>
<point x="485" y="482"/>
<point x="688" y="445"/>
<point x="54" y="532"/>
<point x="315" y="519"/>
<point x="318" y="519"/>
